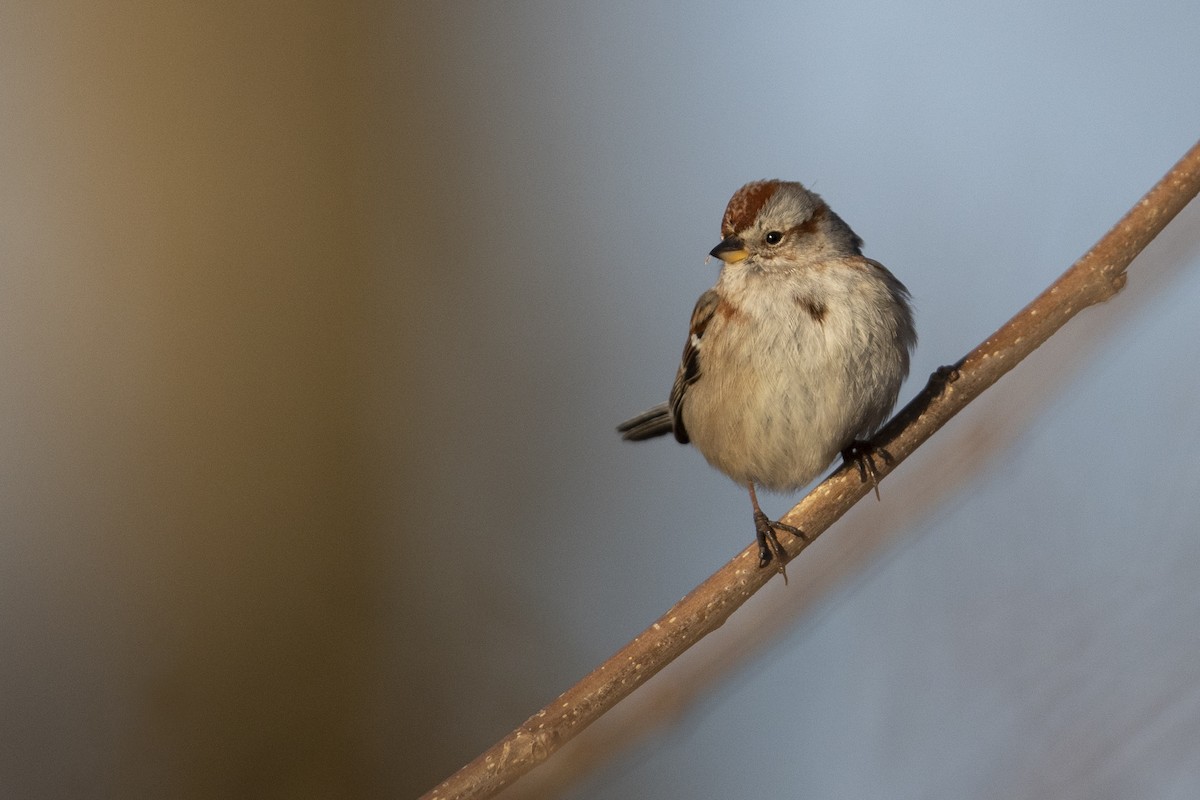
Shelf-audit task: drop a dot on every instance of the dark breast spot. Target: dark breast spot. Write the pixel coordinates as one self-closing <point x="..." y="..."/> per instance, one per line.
<point x="814" y="308"/>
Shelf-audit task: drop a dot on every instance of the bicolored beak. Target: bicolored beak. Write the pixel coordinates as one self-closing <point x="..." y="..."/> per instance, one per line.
<point x="731" y="250"/>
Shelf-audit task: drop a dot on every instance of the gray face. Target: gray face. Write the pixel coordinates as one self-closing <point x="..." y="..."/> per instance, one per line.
<point x="778" y="221"/>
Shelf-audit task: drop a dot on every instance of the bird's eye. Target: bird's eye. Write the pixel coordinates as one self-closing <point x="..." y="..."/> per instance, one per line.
<point x="773" y="237"/>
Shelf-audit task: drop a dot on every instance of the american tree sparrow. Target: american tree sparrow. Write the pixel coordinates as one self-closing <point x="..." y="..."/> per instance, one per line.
<point x="796" y="354"/>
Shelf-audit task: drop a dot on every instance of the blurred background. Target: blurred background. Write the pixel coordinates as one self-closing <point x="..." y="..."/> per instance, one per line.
<point x="316" y="320"/>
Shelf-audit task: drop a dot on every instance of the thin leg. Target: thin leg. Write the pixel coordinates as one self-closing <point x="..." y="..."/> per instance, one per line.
<point x="768" y="543"/>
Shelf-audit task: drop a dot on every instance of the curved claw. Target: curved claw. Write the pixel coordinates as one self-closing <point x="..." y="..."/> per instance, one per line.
<point x="769" y="548"/>
<point x="862" y="455"/>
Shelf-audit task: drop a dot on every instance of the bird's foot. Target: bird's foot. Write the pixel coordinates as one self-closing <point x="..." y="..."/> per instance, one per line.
<point x="862" y="455"/>
<point x="769" y="548"/>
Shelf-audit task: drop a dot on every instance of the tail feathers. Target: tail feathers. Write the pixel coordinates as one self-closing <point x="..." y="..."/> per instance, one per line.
<point x="647" y="425"/>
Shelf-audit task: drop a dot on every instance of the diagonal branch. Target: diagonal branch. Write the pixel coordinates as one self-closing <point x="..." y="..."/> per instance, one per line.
<point x="1094" y="278"/>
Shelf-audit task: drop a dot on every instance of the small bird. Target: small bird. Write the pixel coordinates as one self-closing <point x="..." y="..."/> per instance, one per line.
<point x="795" y="356"/>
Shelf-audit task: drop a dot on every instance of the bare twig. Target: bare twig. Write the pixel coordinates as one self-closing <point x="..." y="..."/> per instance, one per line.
<point x="1096" y="277"/>
<point x="958" y="461"/>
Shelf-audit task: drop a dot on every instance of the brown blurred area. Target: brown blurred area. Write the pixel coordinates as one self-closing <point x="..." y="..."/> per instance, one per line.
<point x="187" y="573"/>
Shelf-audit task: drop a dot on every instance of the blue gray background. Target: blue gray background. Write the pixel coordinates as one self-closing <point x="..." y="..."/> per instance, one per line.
<point x="315" y="324"/>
